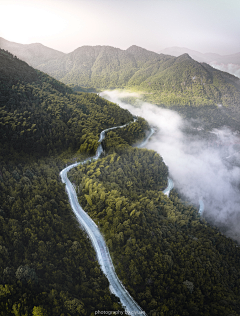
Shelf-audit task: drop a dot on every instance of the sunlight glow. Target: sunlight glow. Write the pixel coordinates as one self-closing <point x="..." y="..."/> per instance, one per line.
<point x="205" y="26"/>
<point x="24" y="23"/>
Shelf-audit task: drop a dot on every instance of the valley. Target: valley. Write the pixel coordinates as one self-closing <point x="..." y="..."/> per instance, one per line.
<point x="203" y="159"/>
<point x="165" y="80"/>
<point x="157" y="243"/>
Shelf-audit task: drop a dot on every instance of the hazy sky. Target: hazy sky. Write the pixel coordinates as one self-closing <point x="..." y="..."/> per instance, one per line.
<point x="203" y="25"/>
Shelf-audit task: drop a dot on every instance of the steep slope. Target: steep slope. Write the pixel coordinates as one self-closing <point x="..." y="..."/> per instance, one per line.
<point x="97" y="66"/>
<point x="227" y="63"/>
<point x="187" y="82"/>
<point x="42" y="115"/>
<point x="47" y="265"/>
<point x="202" y="57"/>
<point x="34" y="54"/>
<point x="167" y="80"/>
<point x="171" y="261"/>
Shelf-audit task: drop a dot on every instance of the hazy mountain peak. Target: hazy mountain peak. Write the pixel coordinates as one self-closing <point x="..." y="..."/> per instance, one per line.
<point x="34" y="54"/>
<point x="134" y="49"/>
<point x="186" y="55"/>
<point x="141" y="55"/>
<point x="96" y="48"/>
<point x="36" y="44"/>
<point x="183" y="57"/>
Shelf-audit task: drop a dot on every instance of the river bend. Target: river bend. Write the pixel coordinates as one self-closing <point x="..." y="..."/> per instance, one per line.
<point x="104" y="259"/>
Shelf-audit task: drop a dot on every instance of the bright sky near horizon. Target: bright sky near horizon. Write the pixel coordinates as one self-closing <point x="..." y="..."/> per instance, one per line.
<point x="202" y="25"/>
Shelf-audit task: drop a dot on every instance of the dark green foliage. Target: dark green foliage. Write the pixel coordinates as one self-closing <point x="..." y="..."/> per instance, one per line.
<point x="39" y="115"/>
<point x="118" y="139"/>
<point x="77" y="88"/>
<point x="171" y="261"/>
<point x="47" y="265"/>
<point x="167" y="80"/>
<point x="46" y="261"/>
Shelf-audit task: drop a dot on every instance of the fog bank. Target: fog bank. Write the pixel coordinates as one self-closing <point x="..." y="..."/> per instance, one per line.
<point x="233" y="69"/>
<point x="203" y="164"/>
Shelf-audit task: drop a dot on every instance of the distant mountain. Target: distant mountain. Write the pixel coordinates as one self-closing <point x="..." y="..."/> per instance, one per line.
<point x="37" y="112"/>
<point x="99" y="66"/>
<point x="228" y="63"/>
<point x="166" y="79"/>
<point x="41" y="118"/>
<point x="141" y="55"/>
<point x="48" y="266"/>
<point x="96" y="66"/>
<point x="34" y="54"/>
<point x="234" y="59"/>
<point x="200" y="57"/>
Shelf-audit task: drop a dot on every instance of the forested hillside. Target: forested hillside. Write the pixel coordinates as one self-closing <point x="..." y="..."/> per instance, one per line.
<point x="194" y="89"/>
<point x="171" y="261"/>
<point x="47" y="266"/>
<point x="40" y="115"/>
<point x="165" y="79"/>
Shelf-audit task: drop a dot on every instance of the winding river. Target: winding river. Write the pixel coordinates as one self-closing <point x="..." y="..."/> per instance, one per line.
<point x="104" y="259"/>
<point x="169" y="187"/>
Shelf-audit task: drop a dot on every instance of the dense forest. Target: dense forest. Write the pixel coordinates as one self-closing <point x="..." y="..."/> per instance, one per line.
<point x="47" y="264"/>
<point x="165" y="79"/>
<point x="171" y="261"/>
<point x="40" y="115"/>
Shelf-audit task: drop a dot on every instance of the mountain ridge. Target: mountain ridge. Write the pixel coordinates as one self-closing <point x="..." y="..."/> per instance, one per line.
<point x="201" y="57"/>
<point x="48" y="266"/>
<point x="166" y="80"/>
<point x="170" y="80"/>
<point x="34" y="54"/>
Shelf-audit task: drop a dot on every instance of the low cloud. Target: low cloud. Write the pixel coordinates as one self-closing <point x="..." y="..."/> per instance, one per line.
<point x="203" y="164"/>
<point x="233" y="69"/>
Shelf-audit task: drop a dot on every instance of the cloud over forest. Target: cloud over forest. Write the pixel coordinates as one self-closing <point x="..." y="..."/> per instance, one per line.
<point x="203" y="164"/>
<point x="233" y="69"/>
